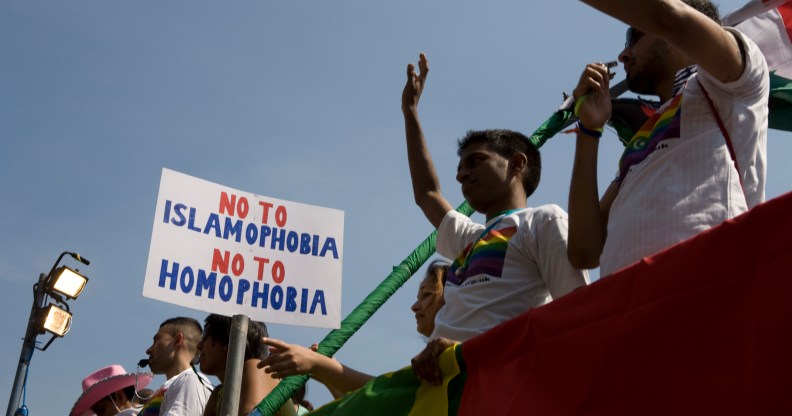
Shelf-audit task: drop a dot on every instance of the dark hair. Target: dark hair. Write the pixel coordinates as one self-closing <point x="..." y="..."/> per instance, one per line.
<point x="299" y="398"/>
<point x="706" y="8"/>
<point x="507" y="143"/>
<point x="219" y="328"/>
<point x="190" y="327"/>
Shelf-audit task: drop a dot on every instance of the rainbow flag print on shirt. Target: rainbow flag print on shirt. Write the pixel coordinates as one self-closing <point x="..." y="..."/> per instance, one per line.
<point x="663" y="124"/>
<point x="152" y="407"/>
<point x="483" y="256"/>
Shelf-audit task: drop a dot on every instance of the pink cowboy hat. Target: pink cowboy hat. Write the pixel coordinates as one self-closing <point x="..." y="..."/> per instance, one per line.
<point x="104" y="381"/>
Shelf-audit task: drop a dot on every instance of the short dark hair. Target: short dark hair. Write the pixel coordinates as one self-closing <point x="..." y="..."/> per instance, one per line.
<point x="507" y="143"/>
<point x="705" y="7"/>
<point x="190" y="327"/>
<point x="219" y="328"/>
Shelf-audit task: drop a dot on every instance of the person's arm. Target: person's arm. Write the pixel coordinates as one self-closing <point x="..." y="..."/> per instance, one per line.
<point x="426" y="186"/>
<point x="560" y="276"/>
<point x="588" y="216"/>
<point x="333" y="391"/>
<point x="699" y="38"/>
<point x="289" y="359"/>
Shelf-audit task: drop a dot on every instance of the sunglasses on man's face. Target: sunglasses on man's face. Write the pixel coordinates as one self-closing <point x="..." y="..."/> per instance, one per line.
<point x="633" y="36"/>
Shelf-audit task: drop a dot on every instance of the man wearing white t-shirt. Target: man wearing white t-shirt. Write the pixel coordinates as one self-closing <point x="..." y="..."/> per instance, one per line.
<point x="174" y="348"/>
<point x="698" y="161"/>
<point x="514" y="262"/>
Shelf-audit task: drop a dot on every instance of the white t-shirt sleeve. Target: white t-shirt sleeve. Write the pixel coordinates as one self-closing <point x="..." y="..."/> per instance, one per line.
<point x="559" y="275"/>
<point x="456" y="231"/>
<point x="754" y="72"/>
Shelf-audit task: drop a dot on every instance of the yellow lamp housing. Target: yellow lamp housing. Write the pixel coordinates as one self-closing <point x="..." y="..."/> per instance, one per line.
<point x="56" y="320"/>
<point x="67" y="282"/>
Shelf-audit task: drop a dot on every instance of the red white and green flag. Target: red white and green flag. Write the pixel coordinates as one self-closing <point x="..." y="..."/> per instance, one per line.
<point x="769" y="24"/>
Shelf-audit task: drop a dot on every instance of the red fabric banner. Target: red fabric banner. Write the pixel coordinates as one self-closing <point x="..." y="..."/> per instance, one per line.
<point x="786" y="13"/>
<point x="704" y="328"/>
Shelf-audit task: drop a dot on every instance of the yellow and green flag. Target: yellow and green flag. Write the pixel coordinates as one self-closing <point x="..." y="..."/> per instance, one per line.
<point x="401" y="393"/>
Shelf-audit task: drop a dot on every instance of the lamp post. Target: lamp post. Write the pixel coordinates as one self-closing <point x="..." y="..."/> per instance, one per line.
<point x="57" y="284"/>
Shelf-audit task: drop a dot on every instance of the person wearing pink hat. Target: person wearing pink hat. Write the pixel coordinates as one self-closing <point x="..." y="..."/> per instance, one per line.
<point x="109" y="391"/>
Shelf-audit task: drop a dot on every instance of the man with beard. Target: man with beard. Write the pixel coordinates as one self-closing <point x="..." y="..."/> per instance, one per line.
<point x="699" y="160"/>
<point x="514" y="262"/>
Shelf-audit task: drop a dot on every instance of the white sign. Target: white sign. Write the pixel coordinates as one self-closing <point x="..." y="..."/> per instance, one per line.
<point x="229" y="252"/>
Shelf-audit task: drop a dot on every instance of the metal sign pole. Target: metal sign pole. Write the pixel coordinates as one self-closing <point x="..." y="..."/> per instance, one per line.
<point x="28" y="346"/>
<point x="232" y="385"/>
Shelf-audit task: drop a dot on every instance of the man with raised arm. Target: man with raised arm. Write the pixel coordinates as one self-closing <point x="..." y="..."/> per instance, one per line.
<point x="516" y="261"/>
<point x="699" y="160"/>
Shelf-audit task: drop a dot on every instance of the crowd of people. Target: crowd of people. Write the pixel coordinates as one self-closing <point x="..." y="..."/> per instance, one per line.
<point x="696" y="162"/>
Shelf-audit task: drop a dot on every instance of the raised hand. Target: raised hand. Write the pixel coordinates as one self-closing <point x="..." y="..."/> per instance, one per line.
<point x="593" y="89"/>
<point x="415" y="84"/>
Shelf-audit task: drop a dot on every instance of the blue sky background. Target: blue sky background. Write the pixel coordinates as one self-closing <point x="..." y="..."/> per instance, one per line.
<point x="294" y="100"/>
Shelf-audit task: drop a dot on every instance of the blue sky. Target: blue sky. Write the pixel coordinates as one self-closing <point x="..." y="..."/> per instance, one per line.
<point x="294" y="100"/>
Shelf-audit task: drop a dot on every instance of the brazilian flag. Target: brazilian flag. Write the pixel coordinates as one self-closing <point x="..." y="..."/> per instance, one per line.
<point x="401" y="393"/>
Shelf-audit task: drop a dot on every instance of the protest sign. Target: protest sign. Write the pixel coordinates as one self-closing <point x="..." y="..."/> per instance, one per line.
<point x="225" y="251"/>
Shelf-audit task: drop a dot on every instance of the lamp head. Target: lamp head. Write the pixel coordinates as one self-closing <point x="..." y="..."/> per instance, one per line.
<point x="66" y="282"/>
<point x="55" y="320"/>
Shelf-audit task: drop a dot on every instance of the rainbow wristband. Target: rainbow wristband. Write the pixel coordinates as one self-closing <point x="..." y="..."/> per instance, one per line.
<point x="595" y="133"/>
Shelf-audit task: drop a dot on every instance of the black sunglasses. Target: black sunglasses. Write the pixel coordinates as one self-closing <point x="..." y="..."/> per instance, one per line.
<point x="633" y="36"/>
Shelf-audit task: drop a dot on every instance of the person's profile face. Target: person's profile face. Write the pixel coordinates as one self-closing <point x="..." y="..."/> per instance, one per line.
<point x="212" y="356"/>
<point x="426" y="306"/>
<point x="161" y="351"/>
<point x="483" y="174"/>
<point x="646" y="60"/>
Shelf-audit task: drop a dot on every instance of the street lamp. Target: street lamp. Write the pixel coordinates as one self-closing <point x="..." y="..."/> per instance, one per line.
<point x="67" y="282"/>
<point x="56" y="320"/>
<point x="59" y="285"/>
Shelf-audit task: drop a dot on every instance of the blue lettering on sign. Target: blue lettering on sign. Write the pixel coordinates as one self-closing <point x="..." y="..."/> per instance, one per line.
<point x="276" y="300"/>
<point x="232" y="229"/>
<point x="205" y="284"/>
<point x="264" y="236"/>
<point x="213" y="223"/>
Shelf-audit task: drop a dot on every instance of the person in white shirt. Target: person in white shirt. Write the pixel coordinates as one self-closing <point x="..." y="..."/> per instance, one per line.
<point x="514" y="262"/>
<point x="172" y="353"/>
<point x="698" y="161"/>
